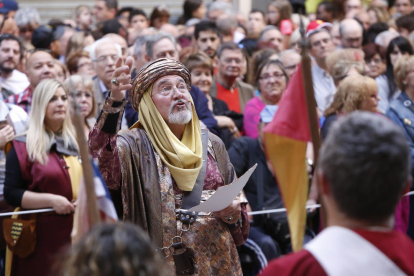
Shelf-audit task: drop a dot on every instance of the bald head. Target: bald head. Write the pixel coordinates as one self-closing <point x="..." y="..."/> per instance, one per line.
<point x="171" y="29"/>
<point x="39" y="66"/>
<point x="351" y="33"/>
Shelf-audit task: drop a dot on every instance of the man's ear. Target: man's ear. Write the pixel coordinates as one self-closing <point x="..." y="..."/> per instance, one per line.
<point x="147" y="58"/>
<point x="323" y="184"/>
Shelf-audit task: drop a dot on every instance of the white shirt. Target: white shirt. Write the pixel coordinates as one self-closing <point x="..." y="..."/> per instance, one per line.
<point x="16" y="83"/>
<point x="324" y="87"/>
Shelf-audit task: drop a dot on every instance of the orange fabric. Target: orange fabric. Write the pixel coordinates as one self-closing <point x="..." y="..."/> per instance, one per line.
<point x="289" y="162"/>
<point x="231" y="98"/>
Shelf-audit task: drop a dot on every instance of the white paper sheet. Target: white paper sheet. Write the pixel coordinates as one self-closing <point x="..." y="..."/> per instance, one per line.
<point x="224" y="195"/>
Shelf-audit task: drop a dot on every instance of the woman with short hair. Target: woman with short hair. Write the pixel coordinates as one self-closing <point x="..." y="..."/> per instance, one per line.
<point x="355" y="92"/>
<point x="229" y="122"/>
<point x="81" y="88"/>
<point x="271" y="79"/>
<point x="401" y="112"/>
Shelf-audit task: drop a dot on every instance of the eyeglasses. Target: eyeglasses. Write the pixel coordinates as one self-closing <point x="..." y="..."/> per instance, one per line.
<point x="291" y="67"/>
<point x="374" y="60"/>
<point x="267" y="77"/>
<point x="88" y="64"/>
<point x="104" y="59"/>
<point x="26" y="29"/>
<point x="229" y="60"/>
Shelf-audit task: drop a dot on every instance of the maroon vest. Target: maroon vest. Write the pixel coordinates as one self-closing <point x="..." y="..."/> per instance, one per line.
<point x="52" y="230"/>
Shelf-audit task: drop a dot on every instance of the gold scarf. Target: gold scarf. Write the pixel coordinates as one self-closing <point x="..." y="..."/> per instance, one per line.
<point x="183" y="158"/>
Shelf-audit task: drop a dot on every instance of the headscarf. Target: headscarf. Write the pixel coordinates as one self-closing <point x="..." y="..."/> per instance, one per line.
<point x="182" y="157"/>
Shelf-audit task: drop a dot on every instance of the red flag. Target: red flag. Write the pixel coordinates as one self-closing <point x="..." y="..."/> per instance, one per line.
<point x="286" y="138"/>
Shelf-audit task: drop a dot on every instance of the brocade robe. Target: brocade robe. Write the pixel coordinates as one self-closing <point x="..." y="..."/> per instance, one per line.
<point x="142" y="186"/>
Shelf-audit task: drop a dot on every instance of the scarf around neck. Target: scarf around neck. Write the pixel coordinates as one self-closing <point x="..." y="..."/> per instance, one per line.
<point x="182" y="157"/>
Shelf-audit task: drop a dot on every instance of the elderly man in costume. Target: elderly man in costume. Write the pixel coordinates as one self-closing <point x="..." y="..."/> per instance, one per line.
<point x="165" y="164"/>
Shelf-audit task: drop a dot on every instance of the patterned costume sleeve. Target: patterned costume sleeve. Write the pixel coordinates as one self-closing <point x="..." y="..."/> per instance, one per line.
<point x="102" y="142"/>
<point x="241" y="232"/>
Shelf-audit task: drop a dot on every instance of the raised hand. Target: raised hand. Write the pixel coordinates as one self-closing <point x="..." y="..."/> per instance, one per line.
<point x="121" y="79"/>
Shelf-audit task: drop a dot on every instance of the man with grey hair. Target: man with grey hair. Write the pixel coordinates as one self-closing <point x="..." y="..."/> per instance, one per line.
<point x="163" y="45"/>
<point x="321" y="45"/>
<point x="27" y="19"/>
<point x="351" y="33"/>
<point x="218" y="8"/>
<point x="290" y="60"/>
<point x="227" y="26"/>
<point x="363" y="171"/>
<point x="273" y="35"/>
<point x="104" y="54"/>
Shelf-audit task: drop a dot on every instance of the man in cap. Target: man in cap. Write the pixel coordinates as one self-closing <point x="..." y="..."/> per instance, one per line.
<point x="8" y="8"/>
<point x="55" y="39"/>
<point x="160" y="167"/>
<point x="321" y="45"/>
<point x="363" y="171"/>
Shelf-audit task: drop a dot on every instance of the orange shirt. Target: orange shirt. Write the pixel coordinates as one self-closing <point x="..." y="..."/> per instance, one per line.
<point x="231" y="98"/>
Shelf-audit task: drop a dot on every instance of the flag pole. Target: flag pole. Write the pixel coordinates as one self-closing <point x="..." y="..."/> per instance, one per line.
<point x="88" y="175"/>
<point x="309" y="93"/>
<point x="312" y="114"/>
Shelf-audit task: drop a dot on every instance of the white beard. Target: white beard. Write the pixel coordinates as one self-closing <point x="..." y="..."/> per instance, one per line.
<point x="180" y="117"/>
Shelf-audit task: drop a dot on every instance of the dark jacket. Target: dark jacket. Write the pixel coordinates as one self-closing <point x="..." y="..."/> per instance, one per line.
<point x="246" y="92"/>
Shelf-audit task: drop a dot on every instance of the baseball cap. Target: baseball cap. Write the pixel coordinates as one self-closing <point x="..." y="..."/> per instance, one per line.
<point x="8" y="5"/>
<point x="317" y="25"/>
<point x="267" y="114"/>
<point x="42" y="37"/>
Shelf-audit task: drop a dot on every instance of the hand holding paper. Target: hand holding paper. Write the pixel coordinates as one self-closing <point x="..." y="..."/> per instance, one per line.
<point x="225" y="195"/>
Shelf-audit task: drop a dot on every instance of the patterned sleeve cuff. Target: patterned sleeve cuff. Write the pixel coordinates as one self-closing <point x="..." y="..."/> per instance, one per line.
<point x="112" y="107"/>
<point x="110" y="119"/>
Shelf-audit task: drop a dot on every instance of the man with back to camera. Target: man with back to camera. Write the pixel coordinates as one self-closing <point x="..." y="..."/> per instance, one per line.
<point x="363" y="171"/>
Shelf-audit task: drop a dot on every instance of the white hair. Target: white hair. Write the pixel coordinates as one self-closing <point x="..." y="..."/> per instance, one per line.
<point x="91" y="49"/>
<point x="26" y="16"/>
<point x="384" y="38"/>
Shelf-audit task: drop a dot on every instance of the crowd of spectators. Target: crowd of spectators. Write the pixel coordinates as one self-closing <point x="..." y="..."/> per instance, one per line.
<point x="240" y="65"/>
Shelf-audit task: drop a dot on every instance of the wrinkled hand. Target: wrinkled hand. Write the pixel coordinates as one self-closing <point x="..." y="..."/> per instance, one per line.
<point x="122" y="74"/>
<point x="62" y="205"/>
<point x="233" y="210"/>
<point x="6" y="134"/>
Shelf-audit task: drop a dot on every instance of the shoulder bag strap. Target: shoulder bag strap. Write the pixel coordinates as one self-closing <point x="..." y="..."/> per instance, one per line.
<point x="193" y="197"/>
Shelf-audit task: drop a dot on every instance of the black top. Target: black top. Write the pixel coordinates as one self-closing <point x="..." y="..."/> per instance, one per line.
<point x="244" y="153"/>
<point x="14" y="185"/>
<point x="220" y="108"/>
